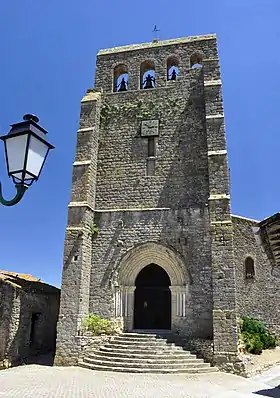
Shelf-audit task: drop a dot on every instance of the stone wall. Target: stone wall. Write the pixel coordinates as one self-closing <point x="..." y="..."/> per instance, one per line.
<point x="257" y="297"/>
<point x="181" y="168"/>
<point x="15" y="323"/>
<point x="183" y="231"/>
<point x="89" y="343"/>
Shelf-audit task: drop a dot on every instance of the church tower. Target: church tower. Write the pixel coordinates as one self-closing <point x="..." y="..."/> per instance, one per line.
<point x="149" y="235"/>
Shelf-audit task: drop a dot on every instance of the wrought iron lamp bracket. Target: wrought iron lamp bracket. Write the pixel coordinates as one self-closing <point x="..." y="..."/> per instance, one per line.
<point x="21" y="188"/>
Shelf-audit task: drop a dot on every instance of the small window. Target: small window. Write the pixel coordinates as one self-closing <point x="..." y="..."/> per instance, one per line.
<point x="151" y="146"/>
<point x="196" y="61"/>
<point x="76" y="257"/>
<point x="249" y="268"/>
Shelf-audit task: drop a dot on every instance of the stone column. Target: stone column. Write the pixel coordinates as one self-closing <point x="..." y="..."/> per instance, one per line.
<point x="128" y="306"/>
<point x="178" y="303"/>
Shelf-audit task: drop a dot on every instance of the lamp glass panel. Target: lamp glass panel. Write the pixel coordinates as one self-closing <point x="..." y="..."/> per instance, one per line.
<point x="37" y="152"/>
<point x="16" y="148"/>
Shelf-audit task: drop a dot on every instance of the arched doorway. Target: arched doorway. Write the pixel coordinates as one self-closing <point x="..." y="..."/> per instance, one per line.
<point x="152" y="299"/>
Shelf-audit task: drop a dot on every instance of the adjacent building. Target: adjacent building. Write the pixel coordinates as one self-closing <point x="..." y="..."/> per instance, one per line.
<point x="28" y="317"/>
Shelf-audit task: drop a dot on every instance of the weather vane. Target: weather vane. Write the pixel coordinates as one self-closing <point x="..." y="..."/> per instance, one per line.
<point x="155" y="32"/>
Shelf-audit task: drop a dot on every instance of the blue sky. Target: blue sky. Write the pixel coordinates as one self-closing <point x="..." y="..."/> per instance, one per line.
<point x="48" y="50"/>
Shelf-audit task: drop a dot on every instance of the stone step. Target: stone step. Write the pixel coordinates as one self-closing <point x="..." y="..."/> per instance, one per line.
<point x="135" y="340"/>
<point x="142" y="342"/>
<point x="139" y="335"/>
<point x="144" y="361"/>
<point x="160" y="370"/>
<point x="144" y="347"/>
<point x="142" y="356"/>
<point x="132" y="350"/>
<point x="177" y="365"/>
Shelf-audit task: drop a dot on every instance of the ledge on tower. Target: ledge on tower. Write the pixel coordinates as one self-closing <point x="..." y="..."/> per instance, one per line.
<point x="158" y="43"/>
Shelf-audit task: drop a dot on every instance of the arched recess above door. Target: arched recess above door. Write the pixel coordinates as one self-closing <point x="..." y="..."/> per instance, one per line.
<point x="140" y="256"/>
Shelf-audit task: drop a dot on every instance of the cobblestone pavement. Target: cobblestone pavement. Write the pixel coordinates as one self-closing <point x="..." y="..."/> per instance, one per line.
<point x="35" y="381"/>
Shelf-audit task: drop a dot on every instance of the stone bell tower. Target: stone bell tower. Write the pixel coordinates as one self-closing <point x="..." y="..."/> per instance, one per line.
<point x="149" y="235"/>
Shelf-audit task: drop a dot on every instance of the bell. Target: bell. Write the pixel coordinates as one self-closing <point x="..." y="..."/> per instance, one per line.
<point x="123" y="85"/>
<point x="173" y="75"/>
<point x="149" y="82"/>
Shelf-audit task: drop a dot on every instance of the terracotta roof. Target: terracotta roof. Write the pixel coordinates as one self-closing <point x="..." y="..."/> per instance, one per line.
<point x="25" y="281"/>
<point x="7" y="274"/>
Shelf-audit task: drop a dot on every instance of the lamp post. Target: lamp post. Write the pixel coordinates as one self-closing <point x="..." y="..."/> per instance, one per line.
<point x="26" y="151"/>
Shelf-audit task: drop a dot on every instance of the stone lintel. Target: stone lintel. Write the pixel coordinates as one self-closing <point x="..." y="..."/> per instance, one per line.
<point x="219" y="197"/>
<point x="216" y="153"/>
<point x="82" y="229"/>
<point x="85" y="130"/>
<point x="212" y="117"/>
<point x="80" y="204"/>
<point x="81" y="162"/>
<point x="91" y="95"/>
<point x="210" y="60"/>
<point x="208" y="83"/>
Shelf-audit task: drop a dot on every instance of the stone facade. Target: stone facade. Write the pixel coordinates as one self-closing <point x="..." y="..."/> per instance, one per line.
<point x="28" y="317"/>
<point x="259" y="296"/>
<point x="129" y="208"/>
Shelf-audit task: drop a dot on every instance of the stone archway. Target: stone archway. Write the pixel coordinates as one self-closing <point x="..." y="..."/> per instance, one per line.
<point x="133" y="262"/>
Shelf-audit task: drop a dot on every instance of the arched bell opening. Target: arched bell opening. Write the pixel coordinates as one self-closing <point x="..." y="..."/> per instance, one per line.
<point x="152" y="299"/>
<point x="172" y="66"/>
<point x="196" y="61"/>
<point x="147" y="75"/>
<point x="120" y="78"/>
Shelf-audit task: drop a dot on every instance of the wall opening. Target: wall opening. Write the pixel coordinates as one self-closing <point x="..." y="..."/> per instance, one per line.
<point x="120" y="78"/>
<point x="151" y="146"/>
<point x="35" y="320"/>
<point x="172" y="68"/>
<point x="249" y="268"/>
<point x="152" y="300"/>
<point x="147" y="75"/>
<point x="196" y="60"/>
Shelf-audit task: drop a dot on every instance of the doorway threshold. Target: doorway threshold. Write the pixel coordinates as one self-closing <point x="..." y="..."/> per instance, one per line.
<point x="152" y="331"/>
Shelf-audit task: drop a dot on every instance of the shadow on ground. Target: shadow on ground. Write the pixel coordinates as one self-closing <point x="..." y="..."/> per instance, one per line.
<point x="273" y="392"/>
<point x="45" y="359"/>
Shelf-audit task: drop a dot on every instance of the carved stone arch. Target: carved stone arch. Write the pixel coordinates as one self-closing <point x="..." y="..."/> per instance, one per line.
<point x="142" y="255"/>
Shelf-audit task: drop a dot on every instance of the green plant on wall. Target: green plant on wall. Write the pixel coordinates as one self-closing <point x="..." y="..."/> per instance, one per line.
<point x="98" y="325"/>
<point x="94" y="229"/>
<point x="129" y="110"/>
<point x="255" y="336"/>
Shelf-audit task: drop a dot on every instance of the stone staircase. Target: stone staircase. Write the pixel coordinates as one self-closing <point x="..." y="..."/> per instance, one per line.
<point x="143" y="353"/>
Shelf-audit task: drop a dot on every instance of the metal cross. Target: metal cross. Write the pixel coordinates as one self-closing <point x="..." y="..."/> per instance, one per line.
<point x="155" y="31"/>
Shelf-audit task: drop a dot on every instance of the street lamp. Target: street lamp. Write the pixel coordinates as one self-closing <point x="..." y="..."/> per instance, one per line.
<point x="26" y="150"/>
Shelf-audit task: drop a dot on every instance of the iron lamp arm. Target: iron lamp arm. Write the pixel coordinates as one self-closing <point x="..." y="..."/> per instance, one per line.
<point x="21" y="188"/>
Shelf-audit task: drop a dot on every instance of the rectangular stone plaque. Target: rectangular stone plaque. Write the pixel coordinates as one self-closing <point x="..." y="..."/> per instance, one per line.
<point x="149" y="128"/>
